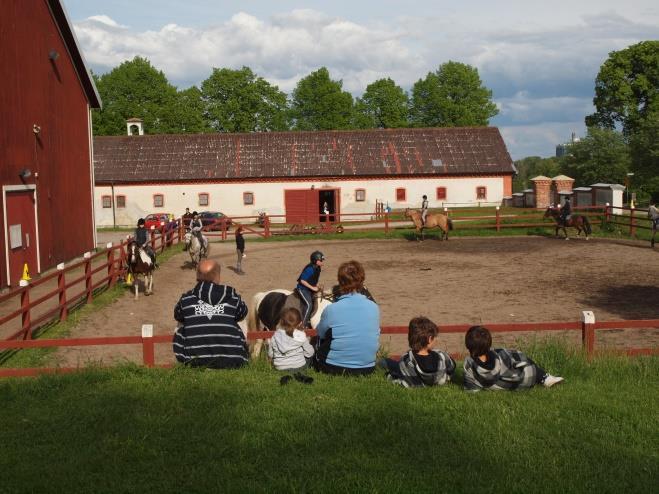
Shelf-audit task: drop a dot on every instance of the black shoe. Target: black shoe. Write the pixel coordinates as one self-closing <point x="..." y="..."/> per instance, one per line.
<point x="302" y="378"/>
<point x="285" y="380"/>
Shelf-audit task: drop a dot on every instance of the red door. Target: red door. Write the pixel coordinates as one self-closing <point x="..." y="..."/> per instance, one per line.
<point x="301" y="206"/>
<point x="20" y="236"/>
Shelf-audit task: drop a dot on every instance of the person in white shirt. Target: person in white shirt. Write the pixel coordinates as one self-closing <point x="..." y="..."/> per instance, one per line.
<point x="289" y="347"/>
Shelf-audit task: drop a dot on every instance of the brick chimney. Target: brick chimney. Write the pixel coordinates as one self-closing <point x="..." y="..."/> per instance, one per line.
<point x="542" y="191"/>
<point x="562" y="187"/>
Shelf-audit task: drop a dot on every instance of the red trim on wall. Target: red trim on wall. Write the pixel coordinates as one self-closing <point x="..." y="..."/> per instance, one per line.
<point x="441" y="193"/>
<point x="401" y="194"/>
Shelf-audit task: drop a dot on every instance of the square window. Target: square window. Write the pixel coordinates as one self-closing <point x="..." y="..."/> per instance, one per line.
<point x="441" y="193"/>
<point x="121" y="201"/>
<point x="360" y="195"/>
<point x="203" y="199"/>
<point x="158" y="200"/>
<point x="481" y="193"/>
<point x="248" y="198"/>
<point x="107" y="201"/>
<point x="401" y="195"/>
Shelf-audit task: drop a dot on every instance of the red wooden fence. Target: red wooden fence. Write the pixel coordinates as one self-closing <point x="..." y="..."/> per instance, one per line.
<point x="587" y="326"/>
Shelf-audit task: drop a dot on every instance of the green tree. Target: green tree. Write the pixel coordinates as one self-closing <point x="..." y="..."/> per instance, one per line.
<point x="189" y="111"/>
<point x="532" y="166"/>
<point x="452" y="96"/>
<point x="319" y="103"/>
<point x="384" y="105"/>
<point x="241" y="101"/>
<point x="135" y="89"/>
<point x="602" y="156"/>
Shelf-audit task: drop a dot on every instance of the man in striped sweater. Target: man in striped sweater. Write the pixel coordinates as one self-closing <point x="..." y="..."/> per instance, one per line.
<point x="209" y="335"/>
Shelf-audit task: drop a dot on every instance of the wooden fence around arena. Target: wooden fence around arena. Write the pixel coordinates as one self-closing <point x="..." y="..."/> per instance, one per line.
<point x="30" y="307"/>
<point x="587" y="326"/>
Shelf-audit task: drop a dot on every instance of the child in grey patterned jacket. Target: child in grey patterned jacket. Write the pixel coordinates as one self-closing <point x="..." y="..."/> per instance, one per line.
<point x="421" y="366"/>
<point x="499" y="369"/>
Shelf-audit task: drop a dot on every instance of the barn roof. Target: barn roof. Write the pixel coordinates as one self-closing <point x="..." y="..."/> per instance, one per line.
<point x="363" y="153"/>
<point x="68" y="35"/>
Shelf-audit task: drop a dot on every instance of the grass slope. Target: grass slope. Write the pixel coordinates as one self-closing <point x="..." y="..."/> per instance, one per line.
<point x="139" y="430"/>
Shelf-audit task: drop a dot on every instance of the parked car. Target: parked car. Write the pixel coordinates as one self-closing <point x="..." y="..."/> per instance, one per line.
<point x="156" y="219"/>
<point x="212" y="220"/>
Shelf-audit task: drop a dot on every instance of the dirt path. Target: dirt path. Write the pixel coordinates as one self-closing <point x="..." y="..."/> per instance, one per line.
<point x="465" y="280"/>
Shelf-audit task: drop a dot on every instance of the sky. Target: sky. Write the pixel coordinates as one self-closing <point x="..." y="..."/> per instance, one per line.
<point x="540" y="59"/>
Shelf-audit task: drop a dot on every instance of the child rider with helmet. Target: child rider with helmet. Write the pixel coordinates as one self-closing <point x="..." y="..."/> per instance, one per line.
<point x="307" y="284"/>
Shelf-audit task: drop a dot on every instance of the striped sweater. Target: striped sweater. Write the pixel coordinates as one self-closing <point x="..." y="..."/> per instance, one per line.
<point x="209" y="334"/>
<point x="505" y="369"/>
<point x="409" y="374"/>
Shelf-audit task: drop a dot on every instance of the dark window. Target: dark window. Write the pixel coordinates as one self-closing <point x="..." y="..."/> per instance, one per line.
<point x="481" y="193"/>
<point x="360" y="195"/>
<point x="248" y="198"/>
<point x="107" y="201"/>
<point x="203" y="199"/>
<point x="158" y="200"/>
<point x="121" y="201"/>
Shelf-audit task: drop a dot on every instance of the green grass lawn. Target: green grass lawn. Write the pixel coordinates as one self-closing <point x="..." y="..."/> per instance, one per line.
<point x="183" y="430"/>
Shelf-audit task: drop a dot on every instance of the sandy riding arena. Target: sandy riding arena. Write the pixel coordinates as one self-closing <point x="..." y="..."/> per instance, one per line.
<point x="464" y="280"/>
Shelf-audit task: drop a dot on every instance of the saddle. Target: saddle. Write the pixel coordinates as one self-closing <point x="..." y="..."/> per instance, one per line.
<point x="295" y="301"/>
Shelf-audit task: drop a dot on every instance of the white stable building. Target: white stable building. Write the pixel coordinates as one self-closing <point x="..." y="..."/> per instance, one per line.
<point x="294" y="173"/>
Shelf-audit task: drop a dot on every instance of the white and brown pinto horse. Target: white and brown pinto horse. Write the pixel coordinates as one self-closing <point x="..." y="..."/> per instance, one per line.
<point x="139" y="263"/>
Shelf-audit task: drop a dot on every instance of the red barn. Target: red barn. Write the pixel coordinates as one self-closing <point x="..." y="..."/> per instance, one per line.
<point x="46" y="96"/>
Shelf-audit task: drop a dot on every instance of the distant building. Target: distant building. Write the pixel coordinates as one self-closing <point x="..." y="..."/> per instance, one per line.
<point x="563" y="149"/>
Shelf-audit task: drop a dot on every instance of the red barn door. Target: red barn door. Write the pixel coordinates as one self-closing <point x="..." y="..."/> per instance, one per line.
<point x="21" y="233"/>
<point x="301" y="205"/>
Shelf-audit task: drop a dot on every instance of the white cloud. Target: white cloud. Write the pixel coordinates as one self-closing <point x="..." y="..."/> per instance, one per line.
<point x="539" y="139"/>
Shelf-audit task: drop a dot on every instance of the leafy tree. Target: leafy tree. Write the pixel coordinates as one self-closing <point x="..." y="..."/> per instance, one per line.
<point x="135" y="89"/>
<point x="384" y="105"/>
<point x="452" y="96"/>
<point x="532" y="166"/>
<point x="319" y="103"/>
<point x="602" y="156"/>
<point x="189" y="111"/>
<point x="240" y="101"/>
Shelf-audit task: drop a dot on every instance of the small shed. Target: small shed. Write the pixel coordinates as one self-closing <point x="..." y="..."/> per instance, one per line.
<point x="608" y="193"/>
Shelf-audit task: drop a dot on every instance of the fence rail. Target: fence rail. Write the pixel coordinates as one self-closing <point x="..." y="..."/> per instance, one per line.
<point x="587" y="326"/>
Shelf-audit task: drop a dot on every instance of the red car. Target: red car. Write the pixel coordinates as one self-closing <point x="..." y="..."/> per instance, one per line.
<point x="157" y="220"/>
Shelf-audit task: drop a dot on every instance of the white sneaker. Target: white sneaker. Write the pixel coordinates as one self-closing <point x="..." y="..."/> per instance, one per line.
<point x="551" y="380"/>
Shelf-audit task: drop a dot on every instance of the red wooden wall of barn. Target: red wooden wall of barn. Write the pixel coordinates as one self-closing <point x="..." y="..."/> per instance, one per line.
<point x="35" y="90"/>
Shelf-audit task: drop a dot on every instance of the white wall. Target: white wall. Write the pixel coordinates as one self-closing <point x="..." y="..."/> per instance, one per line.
<point x="269" y="196"/>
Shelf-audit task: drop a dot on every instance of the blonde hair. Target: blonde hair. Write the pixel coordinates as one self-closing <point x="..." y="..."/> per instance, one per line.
<point x="290" y="320"/>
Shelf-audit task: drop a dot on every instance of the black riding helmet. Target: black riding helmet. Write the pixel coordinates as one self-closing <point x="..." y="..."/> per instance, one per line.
<point x="140" y="222"/>
<point x="316" y="256"/>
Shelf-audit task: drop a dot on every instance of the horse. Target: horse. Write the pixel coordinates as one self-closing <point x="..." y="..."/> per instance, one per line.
<point x="578" y="221"/>
<point x="266" y="308"/>
<point x="139" y="263"/>
<point x="433" y="220"/>
<point x="653" y="214"/>
<point x="196" y="248"/>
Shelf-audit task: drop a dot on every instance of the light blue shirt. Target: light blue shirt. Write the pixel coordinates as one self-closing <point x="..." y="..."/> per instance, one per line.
<point x="355" y="324"/>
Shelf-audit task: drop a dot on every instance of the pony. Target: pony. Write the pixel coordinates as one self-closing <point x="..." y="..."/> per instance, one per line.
<point x="139" y="263"/>
<point x="653" y="214"/>
<point x="433" y="220"/>
<point x="196" y="249"/>
<point x="578" y="221"/>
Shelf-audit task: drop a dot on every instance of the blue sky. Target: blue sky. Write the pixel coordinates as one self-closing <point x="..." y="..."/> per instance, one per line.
<point x="539" y="58"/>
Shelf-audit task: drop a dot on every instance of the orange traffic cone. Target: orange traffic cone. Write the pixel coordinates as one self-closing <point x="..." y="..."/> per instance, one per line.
<point x="26" y="273"/>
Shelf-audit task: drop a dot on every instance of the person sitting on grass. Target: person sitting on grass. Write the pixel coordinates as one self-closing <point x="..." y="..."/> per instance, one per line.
<point x="289" y="348"/>
<point x="422" y="365"/>
<point x="499" y="369"/>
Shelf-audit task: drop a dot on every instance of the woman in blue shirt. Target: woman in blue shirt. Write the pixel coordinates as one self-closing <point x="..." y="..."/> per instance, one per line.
<point x="349" y="329"/>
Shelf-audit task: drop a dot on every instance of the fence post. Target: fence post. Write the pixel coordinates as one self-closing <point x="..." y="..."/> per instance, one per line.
<point x="26" y="319"/>
<point x="224" y="228"/>
<point x="386" y="223"/>
<point x="632" y="229"/>
<point x="148" y="355"/>
<point x="88" y="276"/>
<point x="266" y="226"/>
<point x="181" y="230"/>
<point x="122" y="257"/>
<point x="61" y="288"/>
<point x="112" y="272"/>
<point x="607" y="212"/>
<point x="152" y="232"/>
<point x="498" y="220"/>
<point x="588" y="332"/>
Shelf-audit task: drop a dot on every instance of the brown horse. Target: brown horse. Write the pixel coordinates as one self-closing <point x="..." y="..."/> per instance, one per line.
<point x="578" y="221"/>
<point x="433" y="220"/>
<point x="139" y="262"/>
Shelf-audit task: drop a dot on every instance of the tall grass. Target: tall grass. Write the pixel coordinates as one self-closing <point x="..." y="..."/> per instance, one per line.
<point x="185" y="430"/>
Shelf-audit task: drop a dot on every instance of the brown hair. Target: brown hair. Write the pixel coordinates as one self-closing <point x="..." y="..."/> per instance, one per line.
<point x="478" y="341"/>
<point x="421" y="329"/>
<point x="239" y="229"/>
<point x="351" y="276"/>
<point x="290" y="320"/>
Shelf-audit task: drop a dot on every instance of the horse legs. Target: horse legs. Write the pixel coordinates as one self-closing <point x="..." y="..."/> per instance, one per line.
<point x="148" y="284"/>
<point x="136" y="287"/>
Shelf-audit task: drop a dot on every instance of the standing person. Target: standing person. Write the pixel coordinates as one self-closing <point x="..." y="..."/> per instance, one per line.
<point x="424" y="209"/>
<point x="209" y="335"/>
<point x="421" y="365"/>
<point x="187" y="216"/>
<point x="500" y="369"/>
<point x="289" y="348"/>
<point x="240" y="249"/>
<point x="307" y="284"/>
<point x="566" y="211"/>
<point x="141" y="237"/>
<point x="349" y="329"/>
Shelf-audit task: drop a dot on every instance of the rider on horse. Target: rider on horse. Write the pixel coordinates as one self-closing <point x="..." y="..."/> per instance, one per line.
<point x="307" y="284"/>
<point x="142" y="239"/>
<point x="566" y="211"/>
<point x="424" y="209"/>
<point x="195" y="228"/>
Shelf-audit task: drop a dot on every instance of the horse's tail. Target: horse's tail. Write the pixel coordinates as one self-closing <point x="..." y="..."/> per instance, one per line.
<point x="586" y="225"/>
<point x="450" y="224"/>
